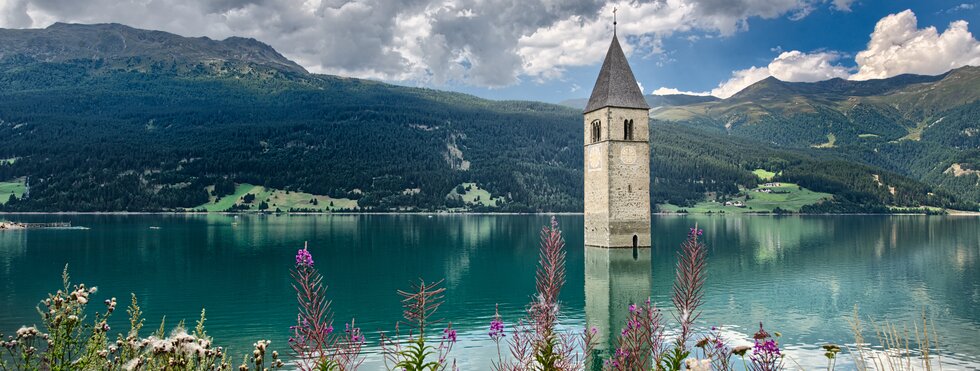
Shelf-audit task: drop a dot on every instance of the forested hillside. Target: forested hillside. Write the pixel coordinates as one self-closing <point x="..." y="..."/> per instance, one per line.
<point x="135" y="130"/>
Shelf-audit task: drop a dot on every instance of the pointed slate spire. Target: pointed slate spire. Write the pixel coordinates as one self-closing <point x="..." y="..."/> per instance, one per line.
<point x="616" y="86"/>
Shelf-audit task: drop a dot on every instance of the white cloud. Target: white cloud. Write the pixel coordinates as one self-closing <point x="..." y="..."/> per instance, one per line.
<point x="672" y="91"/>
<point x="961" y="7"/>
<point x="476" y="42"/>
<point x="898" y="46"/>
<point x="794" y="66"/>
<point x="843" y="5"/>
<point x="549" y="50"/>
<point x="740" y="80"/>
<point x="797" y="66"/>
<point x="640" y="85"/>
<point x="13" y="14"/>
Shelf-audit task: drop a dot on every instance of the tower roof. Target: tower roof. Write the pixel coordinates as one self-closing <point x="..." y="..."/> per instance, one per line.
<point x="616" y="86"/>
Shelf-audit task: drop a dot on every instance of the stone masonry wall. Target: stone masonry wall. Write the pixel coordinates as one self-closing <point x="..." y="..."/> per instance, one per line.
<point x="617" y="180"/>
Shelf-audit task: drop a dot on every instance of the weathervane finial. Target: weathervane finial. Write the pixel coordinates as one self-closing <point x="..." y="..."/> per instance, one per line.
<point x="614" y="19"/>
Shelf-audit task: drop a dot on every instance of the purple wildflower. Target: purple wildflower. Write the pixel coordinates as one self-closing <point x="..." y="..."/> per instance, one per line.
<point x="496" y="329"/>
<point x="449" y="334"/>
<point x="303" y="257"/>
<point x="766" y="355"/>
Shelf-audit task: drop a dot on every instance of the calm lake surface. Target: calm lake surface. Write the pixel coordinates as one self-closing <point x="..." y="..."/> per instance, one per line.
<point x="801" y="275"/>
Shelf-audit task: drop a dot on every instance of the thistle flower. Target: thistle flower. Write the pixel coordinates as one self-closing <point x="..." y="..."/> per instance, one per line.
<point x="761" y="334"/>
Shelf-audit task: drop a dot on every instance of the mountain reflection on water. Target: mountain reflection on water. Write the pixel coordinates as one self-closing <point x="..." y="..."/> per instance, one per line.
<point x="800" y="275"/>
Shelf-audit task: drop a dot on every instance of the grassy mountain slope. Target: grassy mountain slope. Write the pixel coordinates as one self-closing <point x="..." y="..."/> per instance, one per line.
<point x="128" y="48"/>
<point x="917" y="126"/>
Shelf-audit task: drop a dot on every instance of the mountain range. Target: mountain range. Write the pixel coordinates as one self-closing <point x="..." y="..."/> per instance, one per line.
<point x="112" y="118"/>
<point x="923" y="127"/>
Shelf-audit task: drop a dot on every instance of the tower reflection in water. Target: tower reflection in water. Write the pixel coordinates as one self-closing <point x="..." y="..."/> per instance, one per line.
<point x="614" y="279"/>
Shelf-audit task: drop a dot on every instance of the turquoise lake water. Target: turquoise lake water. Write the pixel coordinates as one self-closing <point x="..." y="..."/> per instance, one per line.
<point x="801" y="275"/>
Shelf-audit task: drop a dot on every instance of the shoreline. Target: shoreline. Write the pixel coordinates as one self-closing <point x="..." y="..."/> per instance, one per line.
<point x="948" y="213"/>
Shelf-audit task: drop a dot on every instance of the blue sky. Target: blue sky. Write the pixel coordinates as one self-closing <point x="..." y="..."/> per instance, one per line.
<point x="550" y="50"/>
<point x="701" y="64"/>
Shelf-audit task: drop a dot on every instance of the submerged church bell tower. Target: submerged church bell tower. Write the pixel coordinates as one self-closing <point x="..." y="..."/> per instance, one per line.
<point x="617" y="157"/>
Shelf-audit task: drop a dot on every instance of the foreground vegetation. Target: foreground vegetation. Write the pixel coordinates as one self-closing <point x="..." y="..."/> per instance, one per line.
<point x="648" y="340"/>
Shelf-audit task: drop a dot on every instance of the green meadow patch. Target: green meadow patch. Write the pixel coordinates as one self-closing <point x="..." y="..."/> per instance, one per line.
<point x="13" y="187"/>
<point x="474" y="195"/>
<point x="831" y="142"/>
<point x="275" y="199"/>
<point x="786" y="196"/>
<point x="764" y="174"/>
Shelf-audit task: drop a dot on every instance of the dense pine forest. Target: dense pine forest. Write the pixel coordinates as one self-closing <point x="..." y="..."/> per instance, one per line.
<point x="169" y="131"/>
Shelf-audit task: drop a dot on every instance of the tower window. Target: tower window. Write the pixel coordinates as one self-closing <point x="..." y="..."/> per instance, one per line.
<point x="596" y="131"/>
<point x="628" y="129"/>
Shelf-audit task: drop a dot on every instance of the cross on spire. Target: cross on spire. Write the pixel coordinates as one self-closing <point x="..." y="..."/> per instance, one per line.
<point x="614" y="19"/>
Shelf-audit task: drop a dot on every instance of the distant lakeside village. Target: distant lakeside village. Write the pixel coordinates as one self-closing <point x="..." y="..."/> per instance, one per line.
<point x="7" y="226"/>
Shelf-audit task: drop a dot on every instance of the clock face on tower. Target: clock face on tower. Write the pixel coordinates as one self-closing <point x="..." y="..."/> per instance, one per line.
<point x="628" y="155"/>
<point x="595" y="158"/>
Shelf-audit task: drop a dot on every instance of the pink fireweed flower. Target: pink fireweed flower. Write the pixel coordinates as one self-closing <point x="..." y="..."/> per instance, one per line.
<point x="449" y="334"/>
<point x="689" y="283"/>
<point x="496" y="329"/>
<point x="496" y="325"/>
<point x="304" y="258"/>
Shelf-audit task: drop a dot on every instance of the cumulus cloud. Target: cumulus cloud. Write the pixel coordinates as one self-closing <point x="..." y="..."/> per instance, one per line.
<point x="740" y="80"/>
<point x="672" y="91"/>
<point x="13" y="14"/>
<point x="549" y="50"/>
<point x="802" y="67"/>
<point x="794" y="65"/>
<point x="432" y="42"/>
<point x="898" y="46"/>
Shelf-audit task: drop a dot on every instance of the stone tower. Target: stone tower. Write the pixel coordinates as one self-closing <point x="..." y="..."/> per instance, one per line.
<point x="617" y="157"/>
